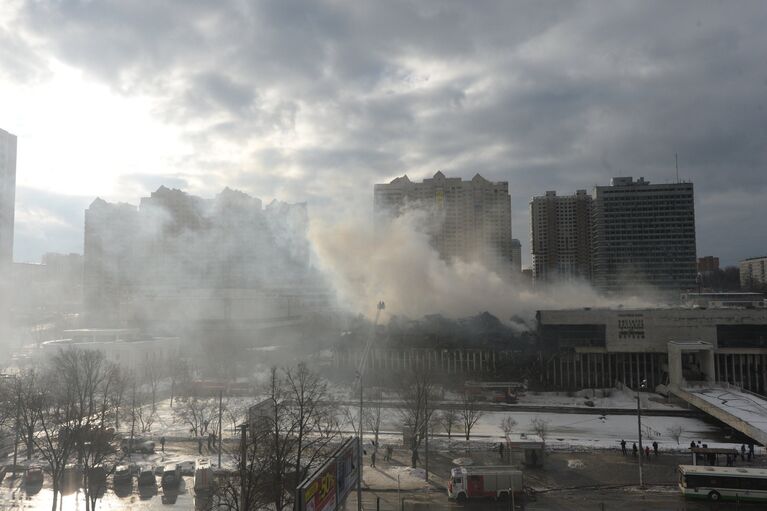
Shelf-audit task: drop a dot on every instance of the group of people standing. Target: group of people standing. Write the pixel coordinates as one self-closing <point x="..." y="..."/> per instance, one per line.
<point x="635" y="449"/>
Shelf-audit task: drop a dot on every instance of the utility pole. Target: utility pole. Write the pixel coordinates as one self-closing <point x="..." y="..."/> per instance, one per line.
<point x="642" y="384"/>
<point x="220" y="402"/>
<point x="18" y="412"/>
<point x="426" y="427"/>
<point x="132" y="424"/>
<point x="363" y="359"/>
<point x="243" y="467"/>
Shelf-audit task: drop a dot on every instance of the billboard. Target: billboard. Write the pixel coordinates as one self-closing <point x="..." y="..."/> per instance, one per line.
<point x="327" y="487"/>
<point x="347" y="471"/>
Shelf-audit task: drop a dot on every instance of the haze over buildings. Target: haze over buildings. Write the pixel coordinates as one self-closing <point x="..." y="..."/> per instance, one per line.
<point x="469" y="220"/>
<point x="178" y="260"/>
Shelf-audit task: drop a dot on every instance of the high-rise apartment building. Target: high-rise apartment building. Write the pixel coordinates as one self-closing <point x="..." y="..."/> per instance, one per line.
<point x="560" y="228"/>
<point x="516" y="255"/>
<point x="753" y="273"/>
<point x="7" y="196"/>
<point x="470" y="220"/>
<point x="643" y="235"/>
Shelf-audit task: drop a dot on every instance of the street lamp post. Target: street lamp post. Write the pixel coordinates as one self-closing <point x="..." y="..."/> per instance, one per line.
<point x="642" y="385"/>
<point x="363" y="359"/>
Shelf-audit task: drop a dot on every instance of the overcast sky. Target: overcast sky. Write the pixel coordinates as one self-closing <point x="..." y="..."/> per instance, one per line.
<point x="318" y="100"/>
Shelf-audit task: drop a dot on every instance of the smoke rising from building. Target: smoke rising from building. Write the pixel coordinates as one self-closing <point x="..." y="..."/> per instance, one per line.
<point x="397" y="263"/>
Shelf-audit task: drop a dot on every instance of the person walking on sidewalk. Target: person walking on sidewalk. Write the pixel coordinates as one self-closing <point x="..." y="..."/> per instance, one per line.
<point x="162" y="443"/>
<point x="199" y="444"/>
<point x="647" y="452"/>
<point x="655" y="447"/>
<point x="634" y="449"/>
<point x="623" y="447"/>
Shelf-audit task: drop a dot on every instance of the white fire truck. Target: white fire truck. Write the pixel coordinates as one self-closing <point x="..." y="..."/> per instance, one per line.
<point x="483" y="482"/>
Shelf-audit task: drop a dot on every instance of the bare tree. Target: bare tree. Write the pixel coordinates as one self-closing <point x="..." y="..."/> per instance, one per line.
<point x="540" y="426"/>
<point x="233" y="412"/>
<point x="372" y="413"/>
<point x="469" y="414"/>
<point x="351" y="418"/>
<point x="448" y="419"/>
<point x="310" y="412"/>
<point x="249" y="488"/>
<point x="417" y="396"/>
<point x="29" y="402"/>
<point x="196" y="413"/>
<point x="675" y="432"/>
<point x="153" y="373"/>
<point x="507" y="425"/>
<point x="144" y="414"/>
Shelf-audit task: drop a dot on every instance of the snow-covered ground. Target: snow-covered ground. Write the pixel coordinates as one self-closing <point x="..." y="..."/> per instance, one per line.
<point x="602" y="398"/>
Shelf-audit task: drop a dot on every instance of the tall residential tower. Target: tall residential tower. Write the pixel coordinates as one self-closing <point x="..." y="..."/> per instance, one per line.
<point x="643" y="235"/>
<point x="471" y="220"/>
<point x="7" y="195"/>
<point x="560" y="227"/>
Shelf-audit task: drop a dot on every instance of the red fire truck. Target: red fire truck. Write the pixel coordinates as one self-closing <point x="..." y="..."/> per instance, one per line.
<point x="483" y="482"/>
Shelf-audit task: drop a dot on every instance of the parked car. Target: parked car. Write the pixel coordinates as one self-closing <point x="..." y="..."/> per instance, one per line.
<point x="33" y="476"/>
<point x="171" y="476"/>
<point x="138" y="445"/>
<point x="123" y="475"/>
<point x="97" y="476"/>
<point x="146" y="475"/>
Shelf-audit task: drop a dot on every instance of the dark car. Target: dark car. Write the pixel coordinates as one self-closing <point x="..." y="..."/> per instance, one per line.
<point x="171" y="476"/>
<point x="138" y="445"/>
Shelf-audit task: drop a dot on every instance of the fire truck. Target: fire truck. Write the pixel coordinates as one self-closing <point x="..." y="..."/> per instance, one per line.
<point x="483" y="482"/>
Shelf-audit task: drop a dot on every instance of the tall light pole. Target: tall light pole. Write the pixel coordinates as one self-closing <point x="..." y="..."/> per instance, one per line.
<point x="363" y="359"/>
<point x="642" y="385"/>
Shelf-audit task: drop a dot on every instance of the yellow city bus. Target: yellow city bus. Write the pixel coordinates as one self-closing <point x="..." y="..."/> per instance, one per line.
<point x="723" y="483"/>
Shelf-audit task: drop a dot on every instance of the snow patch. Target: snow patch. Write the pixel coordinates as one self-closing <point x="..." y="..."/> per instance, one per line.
<point x="576" y="464"/>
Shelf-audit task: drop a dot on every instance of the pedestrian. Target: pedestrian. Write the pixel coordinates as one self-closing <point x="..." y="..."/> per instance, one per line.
<point x="389" y="452"/>
<point x="743" y="452"/>
<point x="634" y="449"/>
<point x="500" y="449"/>
<point x="647" y="452"/>
<point x="215" y="438"/>
<point x="655" y="447"/>
<point x="623" y="446"/>
<point x="729" y="461"/>
<point x="373" y="459"/>
<point x="199" y="444"/>
<point x="162" y="443"/>
<point x="751" y="448"/>
<point x="692" y="444"/>
<point x="749" y="456"/>
<point x="210" y="436"/>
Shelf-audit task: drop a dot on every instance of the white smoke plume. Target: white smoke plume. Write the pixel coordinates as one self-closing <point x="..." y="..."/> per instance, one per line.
<point x="396" y="263"/>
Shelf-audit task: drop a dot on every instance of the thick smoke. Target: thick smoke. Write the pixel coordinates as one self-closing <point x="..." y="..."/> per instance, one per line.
<point x="395" y="262"/>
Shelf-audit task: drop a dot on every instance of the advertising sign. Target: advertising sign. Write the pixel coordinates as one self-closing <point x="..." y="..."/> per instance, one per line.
<point x="327" y="487"/>
<point x="320" y="494"/>
<point x="347" y="472"/>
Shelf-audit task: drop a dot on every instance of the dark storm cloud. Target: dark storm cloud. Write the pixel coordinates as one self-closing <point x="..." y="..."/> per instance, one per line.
<point x="549" y="96"/>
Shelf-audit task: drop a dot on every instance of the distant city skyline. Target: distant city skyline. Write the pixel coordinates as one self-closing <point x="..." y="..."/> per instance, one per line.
<point x="544" y="96"/>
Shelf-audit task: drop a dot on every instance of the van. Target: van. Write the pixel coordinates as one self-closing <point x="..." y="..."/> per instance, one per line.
<point x="146" y="475"/>
<point x="171" y="476"/>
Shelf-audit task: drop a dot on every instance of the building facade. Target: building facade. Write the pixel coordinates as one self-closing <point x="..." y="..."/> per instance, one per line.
<point x="708" y="264"/>
<point x="587" y="348"/>
<point x="516" y="256"/>
<point x="643" y="235"/>
<point x="753" y="273"/>
<point x="468" y="220"/>
<point x="560" y="228"/>
<point x="7" y="196"/>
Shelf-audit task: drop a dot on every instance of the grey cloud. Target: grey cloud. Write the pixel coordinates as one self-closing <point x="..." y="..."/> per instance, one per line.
<point x="545" y="95"/>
